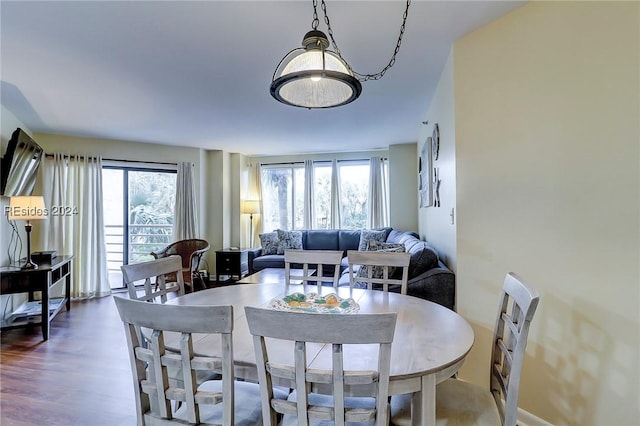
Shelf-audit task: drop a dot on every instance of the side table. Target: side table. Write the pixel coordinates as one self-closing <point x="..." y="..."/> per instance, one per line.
<point x="232" y="262"/>
<point x="16" y="280"/>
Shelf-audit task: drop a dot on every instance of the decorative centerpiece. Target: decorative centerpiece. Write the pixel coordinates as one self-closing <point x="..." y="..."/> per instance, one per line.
<point x="315" y="303"/>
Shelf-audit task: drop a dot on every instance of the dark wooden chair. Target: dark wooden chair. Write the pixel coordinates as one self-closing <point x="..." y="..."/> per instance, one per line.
<point x="191" y="251"/>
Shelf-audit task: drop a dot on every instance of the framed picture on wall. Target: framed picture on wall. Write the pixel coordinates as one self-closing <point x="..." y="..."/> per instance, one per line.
<point x="425" y="174"/>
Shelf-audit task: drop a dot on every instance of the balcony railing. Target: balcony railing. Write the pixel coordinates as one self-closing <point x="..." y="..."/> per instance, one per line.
<point x="143" y="239"/>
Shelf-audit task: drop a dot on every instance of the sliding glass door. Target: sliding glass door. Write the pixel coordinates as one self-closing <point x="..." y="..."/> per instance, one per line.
<point x="138" y="215"/>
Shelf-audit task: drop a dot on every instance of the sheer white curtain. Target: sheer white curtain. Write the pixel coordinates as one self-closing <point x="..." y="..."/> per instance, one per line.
<point x="73" y="185"/>
<point x="185" y="224"/>
<point x="378" y="215"/>
<point x="308" y="194"/>
<point x="335" y="196"/>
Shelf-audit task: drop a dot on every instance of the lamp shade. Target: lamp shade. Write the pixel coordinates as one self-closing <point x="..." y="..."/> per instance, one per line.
<point x="27" y="208"/>
<point x="250" y="207"/>
<point x="313" y="77"/>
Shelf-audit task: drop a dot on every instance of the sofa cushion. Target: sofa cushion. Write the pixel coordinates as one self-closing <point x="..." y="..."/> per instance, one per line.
<point x="289" y="240"/>
<point x="348" y="240"/>
<point x="321" y="240"/>
<point x="370" y="234"/>
<point x="268" y="261"/>
<point x="269" y="242"/>
<point x="395" y="235"/>
<point x="423" y="256"/>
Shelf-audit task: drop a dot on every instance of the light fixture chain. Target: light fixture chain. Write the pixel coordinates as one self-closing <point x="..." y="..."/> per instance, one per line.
<point x="316" y="21"/>
<point x="363" y="77"/>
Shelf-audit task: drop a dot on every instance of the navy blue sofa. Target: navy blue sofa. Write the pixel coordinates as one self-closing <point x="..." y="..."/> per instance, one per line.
<point x="429" y="278"/>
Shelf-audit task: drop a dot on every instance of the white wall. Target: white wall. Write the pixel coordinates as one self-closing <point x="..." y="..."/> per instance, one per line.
<point x="205" y="175"/>
<point x="403" y="185"/>
<point x="437" y="224"/>
<point x="548" y="186"/>
<point x="8" y="123"/>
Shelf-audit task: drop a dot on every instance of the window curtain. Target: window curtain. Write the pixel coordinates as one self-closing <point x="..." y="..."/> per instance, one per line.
<point x="186" y="214"/>
<point x="335" y="196"/>
<point x="308" y="195"/>
<point x="378" y="215"/>
<point x="255" y="193"/>
<point x="74" y="184"/>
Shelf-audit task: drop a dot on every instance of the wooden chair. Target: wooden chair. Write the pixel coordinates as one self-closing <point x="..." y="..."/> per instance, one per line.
<point x="463" y="403"/>
<point x="310" y="260"/>
<point x="191" y="251"/>
<point x="223" y="401"/>
<point x="303" y="406"/>
<point x="379" y="266"/>
<point x="159" y="269"/>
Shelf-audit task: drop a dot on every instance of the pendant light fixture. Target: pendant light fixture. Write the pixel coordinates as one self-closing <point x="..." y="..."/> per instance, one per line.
<point x="314" y="77"/>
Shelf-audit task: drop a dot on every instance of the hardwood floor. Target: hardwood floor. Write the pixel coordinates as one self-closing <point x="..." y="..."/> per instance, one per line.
<point x="80" y="376"/>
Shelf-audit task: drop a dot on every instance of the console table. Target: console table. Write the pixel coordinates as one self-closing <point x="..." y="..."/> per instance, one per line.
<point x="16" y="280"/>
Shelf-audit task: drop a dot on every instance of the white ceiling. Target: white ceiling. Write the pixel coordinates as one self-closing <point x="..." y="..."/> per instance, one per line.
<point x="198" y="73"/>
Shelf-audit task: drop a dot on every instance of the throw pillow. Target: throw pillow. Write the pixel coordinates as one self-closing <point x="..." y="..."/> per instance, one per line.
<point x="367" y="235"/>
<point x="375" y="245"/>
<point x="269" y="242"/>
<point x="378" y="271"/>
<point x="289" y="240"/>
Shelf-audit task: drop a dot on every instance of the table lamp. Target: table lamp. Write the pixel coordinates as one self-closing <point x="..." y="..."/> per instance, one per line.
<point x="27" y="208"/>
<point x="250" y="207"/>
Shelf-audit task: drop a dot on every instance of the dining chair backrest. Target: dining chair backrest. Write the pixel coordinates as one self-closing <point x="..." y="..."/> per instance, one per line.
<point x="378" y="267"/>
<point x="312" y="262"/>
<point x="191" y="251"/>
<point x="459" y="402"/>
<point x="331" y="329"/>
<point x="518" y="304"/>
<point x="159" y="269"/>
<point x="150" y="363"/>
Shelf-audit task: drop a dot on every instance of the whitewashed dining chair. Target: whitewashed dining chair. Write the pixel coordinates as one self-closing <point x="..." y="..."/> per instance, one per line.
<point x="313" y="262"/>
<point x="304" y="407"/>
<point x="224" y="401"/>
<point x="154" y="269"/>
<point x="157" y="292"/>
<point x="463" y="403"/>
<point x="378" y="267"/>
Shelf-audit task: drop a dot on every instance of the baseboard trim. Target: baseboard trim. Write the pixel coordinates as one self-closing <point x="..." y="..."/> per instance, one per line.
<point x="525" y="418"/>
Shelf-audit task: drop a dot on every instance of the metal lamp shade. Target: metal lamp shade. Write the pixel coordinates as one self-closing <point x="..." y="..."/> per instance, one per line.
<point x="314" y="78"/>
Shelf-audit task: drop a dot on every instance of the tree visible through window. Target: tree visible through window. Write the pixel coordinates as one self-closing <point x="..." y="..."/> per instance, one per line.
<point x="354" y="193"/>
<point x="283" y="195"/>
<point x="138" y="215"/>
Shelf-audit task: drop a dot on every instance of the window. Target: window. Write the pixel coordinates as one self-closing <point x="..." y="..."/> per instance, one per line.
<point x="322" y="196"/>
<point x="283" y="195"/>
<point x="138" y="215"/>
<point x="354" y="193"/>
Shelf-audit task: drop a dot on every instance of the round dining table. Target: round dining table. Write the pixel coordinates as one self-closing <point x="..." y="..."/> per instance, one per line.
<point x="429" y="346"/>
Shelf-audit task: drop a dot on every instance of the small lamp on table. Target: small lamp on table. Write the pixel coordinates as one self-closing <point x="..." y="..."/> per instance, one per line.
<point x="27" y="208"/>
<point x="250" y="207"/>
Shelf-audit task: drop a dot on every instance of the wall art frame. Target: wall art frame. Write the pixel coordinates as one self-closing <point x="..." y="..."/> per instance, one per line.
<point x="425" y="174"/>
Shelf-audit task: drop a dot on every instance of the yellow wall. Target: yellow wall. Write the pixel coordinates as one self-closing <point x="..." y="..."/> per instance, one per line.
<point x="403" y="187"/>
<point x="548" y="185"/>
<point x="437" y="224"/>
